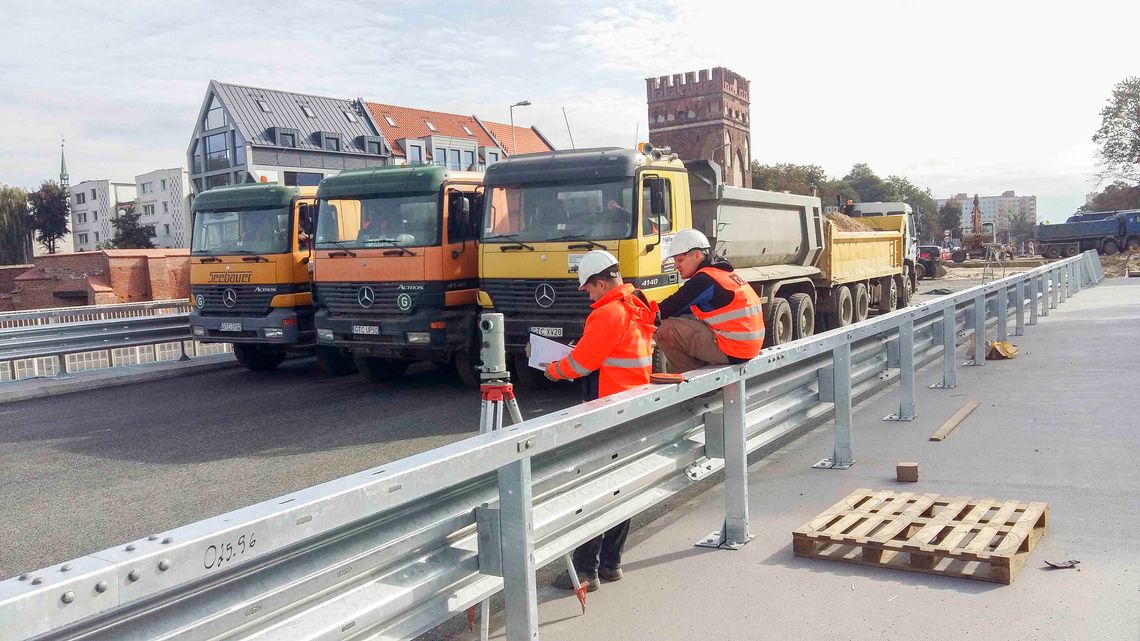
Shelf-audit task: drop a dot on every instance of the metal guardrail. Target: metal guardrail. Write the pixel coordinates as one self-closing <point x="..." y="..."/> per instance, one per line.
<point x="77" y="314"/>
<point x="391" y="552"/>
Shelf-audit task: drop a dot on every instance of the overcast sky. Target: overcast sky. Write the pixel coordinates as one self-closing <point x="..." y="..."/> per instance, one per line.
<point x="958" y="96"/>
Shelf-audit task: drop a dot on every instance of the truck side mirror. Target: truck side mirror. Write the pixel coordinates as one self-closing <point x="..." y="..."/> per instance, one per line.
<point x="656" y="196"/>
<point x="307" y="218"/>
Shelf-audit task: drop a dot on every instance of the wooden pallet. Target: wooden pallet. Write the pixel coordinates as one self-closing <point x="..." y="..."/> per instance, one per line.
<point x="985" y="540"/>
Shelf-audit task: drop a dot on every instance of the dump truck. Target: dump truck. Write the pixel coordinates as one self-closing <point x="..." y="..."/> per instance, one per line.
<point x="1106" y="234"/>
<point x="396" y="268"/>
<point x="544" y="211"/>
<point x="249" y="274"/>
<point x="884" y="216"/>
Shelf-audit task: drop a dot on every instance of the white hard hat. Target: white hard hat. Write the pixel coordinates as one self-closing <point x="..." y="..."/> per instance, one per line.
<point x="593" y="264"/>
<point x="687" y="240"/>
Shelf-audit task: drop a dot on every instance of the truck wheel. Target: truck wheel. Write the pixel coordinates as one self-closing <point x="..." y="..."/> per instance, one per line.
<point x="256" y="358"/>
<point x="1070" y="251"/>
<point x="1110" y="247"/>
<point x="919" y="271"/>
<point x="888" y="294"/>
<point x="379" y="370"/>
<point x="906" y="291"/>
<point x="778" y="323"/>
<point x="803" y="315"/>
<point x="843" y="308"/>
<point x="466" y="367"/>
<point x="1052" y="252"/>
<point x="862" y="303"/>
<point x="958" y="256"/>
<point x="334" y="361"/>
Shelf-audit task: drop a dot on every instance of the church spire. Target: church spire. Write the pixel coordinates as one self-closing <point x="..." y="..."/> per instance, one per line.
<point x="63" y="177"/>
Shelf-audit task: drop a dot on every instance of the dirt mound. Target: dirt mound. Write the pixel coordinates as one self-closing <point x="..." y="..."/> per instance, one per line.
<point x="1120" y="264"/>
<point x="847" y="223"/>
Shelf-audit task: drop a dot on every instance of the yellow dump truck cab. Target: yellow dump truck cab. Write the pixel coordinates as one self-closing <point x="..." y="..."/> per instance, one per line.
<point x="396" y="268"/>
<point x="544" y="212"/>
<point x="249" y="277"/>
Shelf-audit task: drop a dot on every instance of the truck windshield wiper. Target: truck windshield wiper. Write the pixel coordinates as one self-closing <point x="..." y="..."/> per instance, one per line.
<point x="518" y="244"/>
<point x="392" y="243"/>
<point x="211" y="257"/>
<point x="586" y="243"/>
<point x="347" y="251"/>
<point x="257" y="258"/>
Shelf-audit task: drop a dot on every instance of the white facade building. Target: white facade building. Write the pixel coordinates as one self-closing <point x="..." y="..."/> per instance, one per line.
<point x="995" y="209"/>
<point x="162" y="199"/>
<point x="93" y="204"/>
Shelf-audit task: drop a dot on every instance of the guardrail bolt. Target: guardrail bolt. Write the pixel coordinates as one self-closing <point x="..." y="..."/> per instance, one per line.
<point x="65" y="567"/>
<point x="22" y="577"/>
<point x="130" y="548"/>
<point x="133" y="576"/>
<point x="101" y="587"/>
<point x="68" y="597"/>
<point x="163" y="565"/>
<point x="152" y="537"/>
<point x="167" y="540"/>
<point x="37" y="581"/>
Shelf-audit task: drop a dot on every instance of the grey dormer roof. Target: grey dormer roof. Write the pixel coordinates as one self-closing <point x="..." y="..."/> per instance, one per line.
<point x="257" y="126"/>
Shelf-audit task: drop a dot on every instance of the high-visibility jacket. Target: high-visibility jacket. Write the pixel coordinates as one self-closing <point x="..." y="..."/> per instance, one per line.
<point x="739" y="325"/>
<point x="615" y="343"/>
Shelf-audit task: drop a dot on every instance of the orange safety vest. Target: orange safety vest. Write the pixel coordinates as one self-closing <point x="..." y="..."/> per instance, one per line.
<point x="739" y="325"/>
<point x="615" y="342"/>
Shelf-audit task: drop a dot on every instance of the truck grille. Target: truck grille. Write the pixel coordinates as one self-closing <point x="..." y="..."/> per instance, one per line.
<point x="246" y="299"/>
<point x="344" y="298"/>
<point x="522" y="295"/>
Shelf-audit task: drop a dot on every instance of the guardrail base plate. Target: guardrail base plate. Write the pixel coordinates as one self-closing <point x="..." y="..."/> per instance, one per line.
<point x="941" y="386"/>
<point x="828" y="464"/>
<point x="715" y="540"/>
<point x="897" y="417"/>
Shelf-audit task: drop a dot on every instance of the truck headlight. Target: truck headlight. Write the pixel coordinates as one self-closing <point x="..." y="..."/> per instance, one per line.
<point x="325" y="335"/>
<point x="198" y="330"/>
<point x="418" y="338"/>
<point x="273" y="332"/>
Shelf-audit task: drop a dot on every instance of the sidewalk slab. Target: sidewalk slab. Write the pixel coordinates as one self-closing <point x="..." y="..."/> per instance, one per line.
<point x="1057" y="424"/>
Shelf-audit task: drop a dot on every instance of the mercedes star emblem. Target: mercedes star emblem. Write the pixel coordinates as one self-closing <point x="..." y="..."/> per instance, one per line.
<point x="229" y="298"/>
<point x="366" y="297"/>
<point x="544" y="295"/>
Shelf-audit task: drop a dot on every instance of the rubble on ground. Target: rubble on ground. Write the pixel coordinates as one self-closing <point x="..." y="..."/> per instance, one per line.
<point x="1119" y="265"/>
<point x="847" y="223"/>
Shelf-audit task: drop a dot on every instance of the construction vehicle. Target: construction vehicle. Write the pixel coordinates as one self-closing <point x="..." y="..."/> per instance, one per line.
<point x="396" y="268"/>
<point x="977" y="239"/>
<point x="1106" y="234"/>
<point x="883" y="216"/>
<point x="543" y="212"/>
<point x="249" y="275"/>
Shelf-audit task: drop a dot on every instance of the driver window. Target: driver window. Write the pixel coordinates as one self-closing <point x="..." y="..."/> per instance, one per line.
<point x="459" y="222"/>
<point x="649" y="222"/>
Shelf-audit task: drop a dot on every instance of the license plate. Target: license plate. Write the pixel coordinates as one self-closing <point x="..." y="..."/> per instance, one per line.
<point x="549" y="332"/>
<point x="366" y="329"/>
<point x="231" y="327"/>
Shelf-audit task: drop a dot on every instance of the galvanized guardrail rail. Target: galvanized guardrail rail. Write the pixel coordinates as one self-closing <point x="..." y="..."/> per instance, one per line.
<point x="391" y="552"/>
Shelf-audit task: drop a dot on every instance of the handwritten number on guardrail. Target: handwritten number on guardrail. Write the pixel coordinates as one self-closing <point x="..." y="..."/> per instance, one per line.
<point x="221" y="553"/>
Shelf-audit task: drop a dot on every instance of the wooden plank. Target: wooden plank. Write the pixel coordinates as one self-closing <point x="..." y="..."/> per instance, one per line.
<point x="953" y="421"/>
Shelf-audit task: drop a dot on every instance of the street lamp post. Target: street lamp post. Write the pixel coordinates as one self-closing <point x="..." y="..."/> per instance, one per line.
<point x="514" y="142"/>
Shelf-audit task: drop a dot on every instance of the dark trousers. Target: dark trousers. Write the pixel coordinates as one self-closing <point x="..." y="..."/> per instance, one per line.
<point x="604" y="549"/>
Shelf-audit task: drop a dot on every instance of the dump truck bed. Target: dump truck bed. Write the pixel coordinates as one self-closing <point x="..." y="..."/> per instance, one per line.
<point x="850" y="256"/>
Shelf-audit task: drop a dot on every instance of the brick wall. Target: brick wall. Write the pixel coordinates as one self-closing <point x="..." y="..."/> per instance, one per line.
<point x="129" y="278"/>
<point x="169" y="277"/>
<point x="8" y="274"/>
<point x="100" y="278"/>
<point x="57" y="280"/>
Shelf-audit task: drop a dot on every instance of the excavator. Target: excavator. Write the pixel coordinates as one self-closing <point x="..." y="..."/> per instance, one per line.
<point x="975" y="240"/>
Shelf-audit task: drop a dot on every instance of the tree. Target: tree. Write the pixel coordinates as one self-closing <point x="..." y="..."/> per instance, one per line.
<point x="869" y="187"/>
<point x="129" y="233"/>
<point x="921" y="201"/>
<point x="1020" y="226"/>
<point x="950" y="217"/>
<point x="49" y="214"/>
<point x="15" y="226"/>
<point x="1118" y="195"/>
<point x="1119" y="133"/>
<point x="797" y="179"/>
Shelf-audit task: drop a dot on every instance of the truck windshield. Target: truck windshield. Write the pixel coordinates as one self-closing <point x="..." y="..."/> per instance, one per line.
<point x="258" y="231"/>
<point x="556" y="211"/>
<point x="407" y="220"/>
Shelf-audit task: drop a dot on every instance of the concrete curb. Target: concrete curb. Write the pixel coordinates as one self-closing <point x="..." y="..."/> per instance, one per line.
<point x="86" y="381"/>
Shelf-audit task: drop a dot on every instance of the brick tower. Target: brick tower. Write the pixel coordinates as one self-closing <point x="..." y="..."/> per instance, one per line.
<point x="703" y="115"/>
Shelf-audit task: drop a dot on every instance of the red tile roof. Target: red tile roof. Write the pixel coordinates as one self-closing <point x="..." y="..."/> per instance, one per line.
<point x="529" y="139"/>
<point x="412" y="123"/>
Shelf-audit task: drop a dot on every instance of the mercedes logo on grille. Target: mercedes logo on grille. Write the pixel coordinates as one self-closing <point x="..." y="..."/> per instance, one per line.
<point x="366" y="296"/>
<point x="229" y="298"/>
<point x="544" y="295"/>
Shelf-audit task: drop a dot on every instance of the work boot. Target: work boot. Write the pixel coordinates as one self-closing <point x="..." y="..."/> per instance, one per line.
<point x="563" y="582"/>
<point x="610" y="574"/>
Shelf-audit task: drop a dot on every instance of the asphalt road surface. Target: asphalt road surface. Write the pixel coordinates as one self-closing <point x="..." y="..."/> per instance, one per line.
<point x="86" y="471"/>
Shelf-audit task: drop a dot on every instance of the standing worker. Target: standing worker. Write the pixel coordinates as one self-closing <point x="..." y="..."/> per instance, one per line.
<point x="614" y="354"/>
<point x="726" y="325"/>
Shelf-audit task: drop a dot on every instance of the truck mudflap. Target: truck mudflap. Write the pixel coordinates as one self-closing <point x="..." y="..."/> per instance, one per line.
<point x="415" y="336"/>
<point x="282" y="326"/>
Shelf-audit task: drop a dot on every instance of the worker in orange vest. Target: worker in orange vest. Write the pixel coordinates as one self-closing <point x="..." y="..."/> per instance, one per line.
<point x="715" y="318"/>
<point x="614" y="354"/>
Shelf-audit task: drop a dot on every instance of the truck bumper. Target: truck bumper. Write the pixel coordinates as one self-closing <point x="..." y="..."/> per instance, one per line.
<point x="286" y="325"/>
<point x="392" y="336"/>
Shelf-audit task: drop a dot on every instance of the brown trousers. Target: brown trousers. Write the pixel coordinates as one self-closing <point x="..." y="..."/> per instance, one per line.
<point x="688" y="344"/>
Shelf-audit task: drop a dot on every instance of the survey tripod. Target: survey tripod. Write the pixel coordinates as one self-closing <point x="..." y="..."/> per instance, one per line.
<point x="498" y="398"/>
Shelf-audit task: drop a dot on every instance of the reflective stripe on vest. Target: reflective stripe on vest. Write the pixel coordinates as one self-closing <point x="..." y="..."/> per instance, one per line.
<point x="574" y="365"/>
<point x="741" y="336"/>
<point x="644" y="361"/>
<point x="738" y="327"/>
<point x="733" y="314"/>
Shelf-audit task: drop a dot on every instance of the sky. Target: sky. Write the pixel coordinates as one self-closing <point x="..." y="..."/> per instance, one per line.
<point x="977" y="97"/>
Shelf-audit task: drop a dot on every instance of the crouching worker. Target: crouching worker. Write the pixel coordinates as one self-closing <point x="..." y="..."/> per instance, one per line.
<point x="715" y="318"/>
<point x="614" y="354"/>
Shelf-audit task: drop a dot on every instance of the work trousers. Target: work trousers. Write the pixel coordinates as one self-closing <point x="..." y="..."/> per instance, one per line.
<point x="604" y="549"/>
<point x="688" y="344"/>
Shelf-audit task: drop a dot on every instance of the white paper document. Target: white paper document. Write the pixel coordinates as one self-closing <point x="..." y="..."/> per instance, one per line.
<point x="544" y="350"/>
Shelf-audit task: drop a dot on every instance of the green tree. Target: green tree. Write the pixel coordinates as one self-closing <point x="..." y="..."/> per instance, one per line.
<point x="129" y="232"/>
<point x="1118" y="195"/>
<point x="797" y="179"/>
<point x="1119" y="133"/>
<point x="1020" y="226"/>
<point x="921" y="201"/>
<point x="49" y="214"/>
<point x="15" y="226"/>
<point x="869" y="187"/>
<point x="950" y="217"/>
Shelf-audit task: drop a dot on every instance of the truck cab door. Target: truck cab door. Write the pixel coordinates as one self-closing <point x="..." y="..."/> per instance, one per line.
<point x="460" y="256"/>
<point x="657" y="224"/>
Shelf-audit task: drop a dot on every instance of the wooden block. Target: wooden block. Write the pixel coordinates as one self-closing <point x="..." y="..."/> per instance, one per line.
<point x="953" y="421"/>
<point x="907" y="472"/>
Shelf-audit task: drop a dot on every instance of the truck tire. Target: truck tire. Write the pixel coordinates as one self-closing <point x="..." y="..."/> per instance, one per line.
<point x="862" y="303"/>
<point x="778" y="323"/>
<point x="255" y="358"/>
<point x="919" y="271"/>
<point x="334" y="361"/>
<point x="803" y="315"/>
<point x="1110" y="247"/>
<point x="888" y="294"/>
<point x="842" y="308"/>
<point x="466" y="366"/>
<point x="1070" y="251"/>
<point x="958" y="256"/>
<point x="1052" y="252"/>
<point x="380" y="370"/>
<point x="906" y="292"/>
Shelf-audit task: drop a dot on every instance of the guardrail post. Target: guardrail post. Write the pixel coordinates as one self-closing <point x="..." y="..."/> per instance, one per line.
<point x="1079" y="268"/>
<point x="979" y="331"/>
<point x="1032" y="300"/>
<point x="949" y="349"/>
<point x="516" y="517"/>
<point x="906" y="373"/>
<point x="735" y="532"/>
<point x="841" y="458"/>
<point x="1001" y="305"/>
<point x="1063" y="283"/>
<point x="1019" y="308"/>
